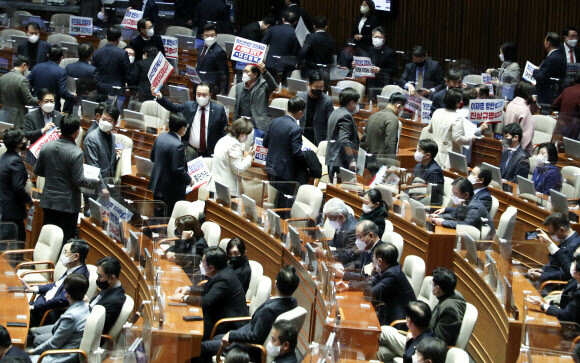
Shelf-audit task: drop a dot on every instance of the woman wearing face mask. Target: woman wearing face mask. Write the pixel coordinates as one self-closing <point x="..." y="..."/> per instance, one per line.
<point x="546" y="174"/>
<point x="229" y="161"/>
<point x="508" y="75"/>
<point x="374" y="209"/>
<point x="364" y="25"/>
<point x="188" y="249"/>
<point x="518" y="111"/>
<point x="236" y="250"/>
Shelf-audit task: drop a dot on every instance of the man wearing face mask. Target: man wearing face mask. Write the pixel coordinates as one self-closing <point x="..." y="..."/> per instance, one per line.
<point x="384" y="61"/>
<point x="15" y="92"/>
<point x="146" y="38"/>
<point x="73" y="257"/>
<point x="282" y="344"/>
<point x="206" y="120"/>
<point x="359" y="260"/>
<point x="342" y="133"/>
<point x="39" y="121"/>
<point x="221" y="297"/>
<point x="570" y="35"/>
<point x="131" y="53"/>
<point x="514" y="159"/>
<point x="35" y="49"/>
<point x="480" y="177"/>
<point x="423" y="76"/>
<point x="561" y="256"/>
<point x="453" y="79"/>
<point x="552" y="71"/>
<point x="112" y="294"/>
<point x="382" y="131"/>
<point x="212" y="61"/>
<point x="427" y="171"/>
<point x="319" y="106"/>
<point x="343" y="223"/>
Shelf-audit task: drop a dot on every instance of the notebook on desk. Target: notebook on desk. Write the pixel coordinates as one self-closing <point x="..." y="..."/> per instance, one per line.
<point x="88" y="108"/>
<point x="229" y="102"/>
<point x="96" y="212"/>
<point x="458" y="162"/>
<point x="572" y="147"/>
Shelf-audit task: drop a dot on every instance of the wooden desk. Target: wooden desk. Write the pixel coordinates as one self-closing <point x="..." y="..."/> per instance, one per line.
<point x="567" y="160"/>
<point x="14" y="305"/>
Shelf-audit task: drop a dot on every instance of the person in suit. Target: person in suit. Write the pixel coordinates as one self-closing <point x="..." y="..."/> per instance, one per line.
<point x="257" y="330"/>
<point x="253" y="95"/>
<point x="112" y="62"/>
<point x="342" y="133"/>
<point x="453" y="79"/>
<point x="569" y="47"/>
<point x="346" y="55"/>
<point x="282" y="344"/>
<point x="284" y="46"/>
<point x="375" y="209"/>
<point x="423" y="76"/>
<point x="221" y="297"/>
<point x="39" y="121"/>
<point x="15" y="92"/>
<point x="87" y="75"/>
<point x="131" y="53"/>
<point x="169" y="176"/>
<point x="229" y="161"/>
<point x="9" y="351"/>
<point x="480" y="177"/>
<point x="561" y="256"/>
<point x="359" y="261"/>
<point x="294" y="6"/>
<point x="381" y="136"/>
<point x="284" y="142"/>
<point x="201" y="137"/>
<point x="237" y="259"/>
<point x="98" y="112"/>
<point x="319" y="107"/>
<point x="13" y="178"/>
<point x="35" y="49"/>
<point x="547" y="175"/>
<point x="518" y="111"/>
<point x="141" y="68"/>
<point x="514" y="159"/>
<point x="212" y="11"/>
<point x="68" y="331"/>
<point x="364" y="25"/>
<point x="317" y="50"/>
<point x="553" y="67"/>
<point x="149" y="9"/>
<point x="146" y="38"/>
<point x="212" y="62"/>
<point x="187" y="251"/>
<point x="51" y="76"/>
<point x="112" y="296"/>
<point x="431" y="350"/>
<point x="255" y="31"/>
<point x="384" y="61"/>
<point x="61" y="196"/>
<point x="343" y="223"/>
<point x="508" y="75"/>
<point x="428" y="171"/>
<point x="567" y="104"/>
<point x="185" y="12"/>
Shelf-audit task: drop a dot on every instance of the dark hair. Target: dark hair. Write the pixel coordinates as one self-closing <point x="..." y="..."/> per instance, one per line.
<point x="445" y="279"/>
<point x="452" y="98"/>
<point x="371" y="5"/>
<point x="432" y="348"/>
<point x="567" y="30"/>
<point x="419" y="313"/>
<point x="203" y="84"/>
<point x="287" y="280"/>
<point x="375" y="196"/>
<point x="76" y="286"/>
<point x="320" y="22"/>
<point x="20" y="60"/>
<point x="347" y="95"/>
<point x="55" y="53"/>
<point x="290" y="17"/>
<point x="482" y="90"/>
<point x="209" y="26"/>
<point x="254" y="69"/>
<point x="189" y="223"/>
<point x="237" y="355"/>
<point x="397" y="98"/>
<point x="419" y="51"/>
<point x="387" y="252"/>
<point x="5" y="340"/>
<point x="453" y="75"/>
<point x="70" y="124"/>
<point x="177" y="122"/>
<point x="552" y="151"/>
<point x="216" y="257"/>
<point x="85" y="51"/>
<point x="12" y="137"/>
<point x="485" y="174"/>
<point x="43" y="92"/>
<point x="287" y="333"/>
<point x="524" y="90"/>
<point x="80" y="246"/>
<point x="513" y="129"/>
<point x="296" y="104"/>
<point x="142" y="23"/>
<point x="464" y="185"/>
<point x="510" y="51"/>
<point x="381" y="30"/>
<point x="34" y="26"/>
<point x="429" y="146"/>
<point x="315" y="77"/>
<point x="553" y="39"/>
<point x="557" y="220"/>
<point x="151" y="52"/>
<point x="111" y="266"/>
<point x="112" y="111"/>
<point x="240" y="126"/>
<point x="269" y="20"/>
<point x="100" y="107"/>
<point x="238" y="243"/>
<point x="114" y="33"/>
<point x="468" y="95"/>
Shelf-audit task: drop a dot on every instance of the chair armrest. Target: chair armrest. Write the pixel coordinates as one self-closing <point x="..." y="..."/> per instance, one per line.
<point x="397" y="322"/>
<point x="45" y="316"/>
<point x="290" y="220"/>
<point x="227" y="320"/>
<point x="281" y="210"/>
<point x="108" y="339"/>
<point x="165" y="240"/>
<point x="555" y="292"/>
<point x="14" y="252"/>
<point x="44" y="271"/>
<point x="156" y="226"/>
<point x="258" y="346"/>
<point x="33" y="263"/>
<point x="414" y="186"/>
<point x="63" y="351"/>
<point x="552" y="282"/>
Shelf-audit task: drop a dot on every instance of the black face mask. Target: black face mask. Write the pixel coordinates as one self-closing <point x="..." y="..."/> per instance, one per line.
<point x="103" y="285"/>
<point x="236" y="261"/>
<point x="420" y="64"/>
<point x="316" y="93"/>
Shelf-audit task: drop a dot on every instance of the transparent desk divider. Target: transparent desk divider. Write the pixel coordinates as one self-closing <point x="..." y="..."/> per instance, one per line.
<point x="325" y="352"/>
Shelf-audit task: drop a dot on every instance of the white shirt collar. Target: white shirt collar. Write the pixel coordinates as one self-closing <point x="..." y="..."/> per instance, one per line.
<point x="478" y="190"/>
<point x="550" y="52"/>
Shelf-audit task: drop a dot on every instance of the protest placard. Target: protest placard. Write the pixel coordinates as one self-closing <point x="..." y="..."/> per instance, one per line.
<point x="486" y="110"/>
<point x="486" y="78"/>
<point x="248" y="51"/>
<point x="301" y="31"/>
<point x="572" y="69"/>
<point x="79" y="25"/>
<point x="50" y="135"/>
<point x="131" y="18"/>
<point x="192" y="74"/>
<point x="117" y="213"/>
<point x="261" y="151"/>
<point x="199" y="172"/>
<point x="159" y="71"/>
<point x="529" y="73"/>
<point x="413" y="103"/>
<point x="363" y="67"/>
<point x="426" y="111"/>
<point x="170" y="45"/>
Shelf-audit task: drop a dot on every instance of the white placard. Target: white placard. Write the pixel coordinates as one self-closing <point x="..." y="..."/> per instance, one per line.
<point x="131" y="18"/>
<point x="413" y="103"/>
<point x="170" y="45"/>
<point x="199" y="172"/>
<point x="261" y="151"/>
<point x="426" y="111"/>
<point x="91" y="172"/>
<point x="79" y="25"/>
<point x="572" y="69"/>
<point x="50" y="135"/>
<point x="248" y="51"/>
<point x="486" y="77"/>
<point x="117" y="213"/>
<point x="159" y="71"/>
<point x="529" y="72"/>
<point x="486" y="110"/>
<point x="363" y="67"/>
<point x="192" y="74"/>
<point x="301" y="31"/>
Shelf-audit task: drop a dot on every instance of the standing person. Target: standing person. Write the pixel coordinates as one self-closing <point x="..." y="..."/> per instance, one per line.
<point x="13" y="178"/>
<point x="35" y="49"/>
<point x="149" y="9"/>
<point x="211" y="11"/>
<point x="423" y="76"/>
<point x="39" y="121"/>
<point x="146" y="38"/>
<point x="185" y="12"/>
<point x="169" y="176"/>
<point x="552" y="72"/>
<point x="294" y="6"/>
<point x="112" y="62"/>
<point x="319" y="107"/>
<point x="60" y="162"/>
<point x="284" y="46"/>
<point x="255" y="31"/>
<point x="317" y="51"/>
<point x="382" y="132"/>
<point x="569" y="46"/>
<point x="363" y="26"/>
<point x="212" y="62"/>
<point x="384" y="61"/>
<point x="141" y="68"/>
<point x="15" y="92"/>
<point x="342" y="133"/>
<point x="508" y="75"/>
<point x="518" y="111"/>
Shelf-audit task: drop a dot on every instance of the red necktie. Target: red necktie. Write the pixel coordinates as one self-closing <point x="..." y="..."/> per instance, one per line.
<point x="202" y="55"/>
<point x="202" y="145"/>
<point x="571" y="55"/>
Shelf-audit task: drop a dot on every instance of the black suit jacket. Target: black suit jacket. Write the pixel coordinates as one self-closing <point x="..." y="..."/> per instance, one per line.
<point x="213" y="68"/>
<point x="82" y="69"/>
<point x="302" y="13"/>
<point x="367" y="31"/>
<point x="437" y="99"/>
<point x="139" y="77"/>
<point x="15" y="352"/>
<point x="318" y="48"/>
<point x="13" y="195"/>
<point x="284" y="142"/>
<point x="212" y="10"/>
<point x="411" y="345"/>
<point x="184" y="12"/>
<point x="112" y="300"/>
<point x="151" y="10"/>
<point x="169" y="176"/>
<point x="113" y="66"/>
<point x="252" y="31"/>
<point x="283" y="43"/>
<point x="216" y="124"/>
<point x="519" y="164"/>
<point x="58" y="301"/>
<point x="49" y="75"/>
<point x="34" y="122"/>
<point x="554" y="66"/>
<point x="324" y="107"/>
<point x="432" y="76"/>
<point x="386" y="59"/>
<point x="139" y="44"/>
<point x="244" y="274"/>
<point x="41" y="55"/>
<point x="569" y="309"/>
<point x="559" y="266"/>
<point x="484" y="196"/>
<point x="392" y="292"/>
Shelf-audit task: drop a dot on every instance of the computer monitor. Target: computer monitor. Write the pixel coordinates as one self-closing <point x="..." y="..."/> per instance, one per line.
<point x="229" y="102"/>
<point x="276" y="112"/>
<point x="70" y="50"/>
<point x="418" y="212"/>
<point x="312" y="259"/>
<point x="17" y="40"/>
<point x="492" y="270"/>
<point x="178" y="94"/>
<point x="559" y="202"/>
<point x="250" y="208"/>
<point x="186" y="41"/>
<point x="470" y="248"/>
<point x="347" y="176"/>
<point x="296" y="246"/>
<point x="525" y="186"/>
<point x="495" y="173"/>
<point x="143" y="165"/>
<point x="361" y="161"/>
<point x="222" y="192"/>
<point x="88" y="108"/>
<point x="338" y="73"/>
<point x="335" y="93"/>
<point x="135" y="245"/>
<point x="572" y="147"/>
<point x="458" y="162"/>
<point x="297" y="85"/>
<point x="135" y="120"/>
<point x="275" y="223"/>
<point x="96" y="210"/>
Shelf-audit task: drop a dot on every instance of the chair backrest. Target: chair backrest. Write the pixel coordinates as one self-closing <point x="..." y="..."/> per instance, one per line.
<point x="307" y="203"/>
<point x="467" y="229"/>
<point x="92" y="281"/>
<point x="174" y="29"/>
<point x="212" y="232"/>
<point x="447" y="186"/>
<point x="159" y="115"/>
<point x="263" y="293"/>
<point x="93" y="330"/>
<point x="79" y="139"/>
<point x="494" y="207"/>
<point x="257" y="272"/>
<point x="426" y="292"/>
<point x="389" y="89"/>
<point x="7" y="34"/>
<point x="58" y="21"/>
<point x="222" y="38"/>
<point x="124" y="162"/>
<point x="414" y="269"/>
<point x="467" y="325"/>
<point x="361" y="89"/>
<point x="232" y="92"/>
<point x="66" y="61"/>
<point x="182" y="208"/>
<point x="48" y="245"/>
<point x="388" y="226"/>
<point x="224" y="244"/>
<point x="571" y="182"/>
<point x="396" y="239"/>
<point x="456" y="355"/>
<point x="126" y="311"/>
<point x="16" y="19"/>
<point x="473" y="79"/>
<point x="104" y="42"/>
<point x="507" y="223"/>
<point x="280" y="103"/>
<point x="59" y="38"/>
<point x="297" y="316"/>
<point x="59" y="270"/>
<point x="386" y="193"/>
<point x="543" y="129"/>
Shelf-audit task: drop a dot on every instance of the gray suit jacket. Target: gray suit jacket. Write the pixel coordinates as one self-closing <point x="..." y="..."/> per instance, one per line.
<point x="381" y="134"/>
<point x="342" y="130"/>
<point x="98" y="153"/>
<point x="60" y="162"/>
<point x="67" y="333"/>
<point x="324" y="109"/>
<point x="259" y="97"/>
<point x="34" y="122"/>
<point x="15" y="95"/>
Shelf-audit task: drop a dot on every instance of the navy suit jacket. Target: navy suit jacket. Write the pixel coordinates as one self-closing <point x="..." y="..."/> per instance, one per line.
<point x="41" y="55"/>
<point x="519" y="164"/>
<point x="58" y="300"/>
<point x="113" y="300"/>
<point x="392" y="292"/>
<point x="437" y="99"/>
<point x="213" y="68"/>
<point x="283" y="43"/>
<point x="432" y="76"/>
<point x="82" y="69"/>
<point x="113" y="66"/>
<point x="554" y="66"/>
<point x="484" y="196"/>
<point x="50" y="75"/>
<point x="569" y="309"/>
<point x="211" y="10"/>
<point x="284" y="142"/>
<point x="559" y="266"/>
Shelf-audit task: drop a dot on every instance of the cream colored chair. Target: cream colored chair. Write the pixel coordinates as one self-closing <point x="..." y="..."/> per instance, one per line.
<point x="426" y="293"/>
<point x="387" y="193"/>
<point x="16" y="20"/>
<point x="124" y="162"/>
<point x="485" y="230"/>
<point x="389" y="89"/>
<point x="262" y="294"/>
<point x="181" y="30"/>
<point x="414" y="269"/>
<point x="155" y="115"/>
<point x="60" y="22"/>
<point x="507" y="223"/>
<point x="257" y="272"/>
<point x="396" y="239"/>
<point x="6" y="34"/>
<point x="212" y="232"/>
<point x="92" y="281"/>
<point x="306" y="206"/>
<point x="224" y="244"/>
<point x="66" y="61"/>
<point x="124" y="315"/>
<point x="297" y="74"/>
<point x="447" y="186"/>
<point x="280" y="103"/>
<point x="361" y="89"/>
<point x="473" y="78"/>
<point x="79" y="139"/>
<point x="59" y="38"/>
<point x="104" y="42"/>
<point x="571" y="182"/>
<point x="182" y="208"/>
<point x="543" y="129"/>
<point x="232" y="92"/>
<point x="467" y="326"/>
<point x="222" y="38"/>
<point x="456" y="355"/>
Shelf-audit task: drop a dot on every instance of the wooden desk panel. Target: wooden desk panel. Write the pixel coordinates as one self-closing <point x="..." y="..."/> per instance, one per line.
<point x="14" y="307"/>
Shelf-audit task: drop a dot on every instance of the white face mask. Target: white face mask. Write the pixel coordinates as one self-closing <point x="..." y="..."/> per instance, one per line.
<point x="419" y="156"/>
<point x="202" y="269"/>
<point x="105" y="126"/>
<point x="415" y="358"/>
<point x="367" y="208"/>
<point x="378" y="42"/>
<point x="555" y="238"/>
<point x="501" y="57"/>
<point x="33" y="38"/>
<point x="101" y="15"/>
<point x="360" y="244"/>
<point x="456" y="200"/>
<point x="273" y="350"/>
<point x="246" y="77"/>
<point x="244" y="138"/>
<point x="48" y="107"/>
<point x="542" y="159"/>
<point x="334" y="225"/>
<point x="572" y="42"/>
<point x="64" y="260"/>
<point x="209" y="41"/>
<point x="356" y="109"/>
<point x="131" y="59"/>
<point x="472" y="179"/>
<point x="150" y="32"/>
<point x="202" y="101"/>
<point x="364" y="9"/>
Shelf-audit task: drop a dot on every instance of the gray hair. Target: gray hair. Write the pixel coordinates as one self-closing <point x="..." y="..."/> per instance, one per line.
<point x="335" y="206"/>
<point x="368" y="226"/>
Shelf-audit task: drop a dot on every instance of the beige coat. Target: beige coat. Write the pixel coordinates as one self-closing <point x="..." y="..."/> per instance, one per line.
<point x="449" y="134"/>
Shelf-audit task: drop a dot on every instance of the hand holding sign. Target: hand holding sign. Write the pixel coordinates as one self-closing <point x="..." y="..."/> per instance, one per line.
<point x="159" y="72"/>
<point x="248" y="51"/>
<point x="529" y="73"/>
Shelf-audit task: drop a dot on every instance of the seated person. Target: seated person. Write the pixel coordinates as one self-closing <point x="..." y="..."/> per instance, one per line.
<point x="187" y="251"/>
<point x="68" y="331"/>
<point x="257" y="330"/>
<point x="39" y="121"/>
<point x="359" y="260"/>
<point x="237" y="259"/>
<point x="9" y="351"/>
<point x="112" y="295"/>
<point x="73" y="257"/>
<point x="546" y="174"/>
<point x="514" y="159"/>
<point x="468" y="210"/>
<point x="221" y="297"/>
<point x="282" y="344"/>
<point x="431" y="350"/>
<point x="480" y="177"/>
<point x="344" y="226"/>
<point x="561" y="256"/>
<point x="237" y="355"/>
<point x="445" y="320"/>
<point x="389" y="285"/>
<point x="345" y="56"/>
<point x="428" y="171"/>
<point x="375" y="209"/>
